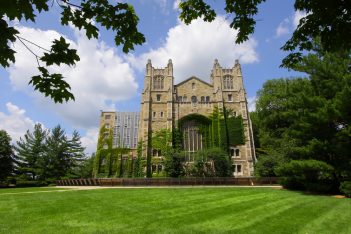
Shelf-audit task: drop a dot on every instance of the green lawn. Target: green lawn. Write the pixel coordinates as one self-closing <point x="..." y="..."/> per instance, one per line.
<point x="173" y="210"/>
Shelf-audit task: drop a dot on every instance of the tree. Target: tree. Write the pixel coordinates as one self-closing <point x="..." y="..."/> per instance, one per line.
<point x="31" y="151"/>
<point x="62" y="154"/>
<point x="84" y="169"/>
<point x="6" y="156"/>
<point x="329" y="20"/>
<point x="45" y="155"/>
<point x="309" y="118"/>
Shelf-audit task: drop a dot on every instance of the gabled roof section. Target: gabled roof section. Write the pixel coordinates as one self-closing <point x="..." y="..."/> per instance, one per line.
<point x="193" y="78"/>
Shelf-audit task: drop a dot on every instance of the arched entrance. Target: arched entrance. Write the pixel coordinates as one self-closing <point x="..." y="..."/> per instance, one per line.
<point x="194" y="129"/>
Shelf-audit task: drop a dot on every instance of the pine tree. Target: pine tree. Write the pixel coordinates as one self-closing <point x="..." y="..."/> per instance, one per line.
<point x="30" y="152"/>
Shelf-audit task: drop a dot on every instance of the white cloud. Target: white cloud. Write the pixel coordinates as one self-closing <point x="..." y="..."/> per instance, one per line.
<point x="251" y="101"/>
<point x="283" y="28"/>
<point x="90" y="140"/>
<point x="289" y="24"/>
<point x="176" y="5"/>
<point x="194" y="47"/>
<point x="15" y="123"/>
<point x="100" y="78"/>
<point x="297" y="16"/>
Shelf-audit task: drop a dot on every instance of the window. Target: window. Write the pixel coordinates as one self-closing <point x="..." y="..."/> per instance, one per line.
<point x="207" y="98"/>
<point x="227" y="82"/>
<point x="185" y="99"/>
<point x="105" y="135"/>
<point x="107" y="126"/>
<point x="202" y="99"/>
<point x="237" y="169"/>
<point x="234" y="152"/>
<point x="193" y="85"/>
<point x="158" y="97"/>
<point x="161" y="114"/>
<point x="180" y="99"/>
<point x="193" y="99"/>
<point x="237" y="152"/>
<point x="158" y="82"/>
<point x="107" y="116"/>
<point x="230" y="97"/>
<point x="154" y="114"/>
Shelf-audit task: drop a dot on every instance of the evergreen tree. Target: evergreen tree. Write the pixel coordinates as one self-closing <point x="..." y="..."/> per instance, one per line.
<point x="6" y="156"/>
<point x="62" y="154"/>
<point x="31" y="151"/>
<point x="304" y="119"/>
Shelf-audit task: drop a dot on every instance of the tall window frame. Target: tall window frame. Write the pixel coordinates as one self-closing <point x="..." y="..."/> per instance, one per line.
<point x="228" y="82"/>
<point x="158" y="83"/>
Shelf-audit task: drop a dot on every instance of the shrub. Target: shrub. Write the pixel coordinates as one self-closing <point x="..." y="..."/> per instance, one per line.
<point x="174" y="164"/>
<point x="310" y="175"/>
<point x="213" y="162"/>
<point x="30" y="183"/>
<point x="345" y="188"/>
<point x="267" y="164"/>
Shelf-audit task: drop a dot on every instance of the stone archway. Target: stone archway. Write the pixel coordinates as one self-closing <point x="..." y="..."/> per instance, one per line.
<point x="193" y="136"/>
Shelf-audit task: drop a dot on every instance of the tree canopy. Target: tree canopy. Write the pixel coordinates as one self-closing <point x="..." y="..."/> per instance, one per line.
<point x="329" y="20"/>
<point x="309" y="118"/>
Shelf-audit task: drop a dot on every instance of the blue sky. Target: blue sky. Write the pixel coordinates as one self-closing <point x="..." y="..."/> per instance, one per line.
<point x="108" y="79"/>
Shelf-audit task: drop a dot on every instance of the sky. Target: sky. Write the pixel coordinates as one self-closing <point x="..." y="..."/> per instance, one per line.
<point x="107" y="79"/>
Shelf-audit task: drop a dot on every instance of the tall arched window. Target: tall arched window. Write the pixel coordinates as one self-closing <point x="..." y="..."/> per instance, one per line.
<point x="158" y="82"/>
<point x="227" y="82"/>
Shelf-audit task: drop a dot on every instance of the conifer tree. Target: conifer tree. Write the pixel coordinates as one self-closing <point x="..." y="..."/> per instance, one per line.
<point x="31" y="151"/>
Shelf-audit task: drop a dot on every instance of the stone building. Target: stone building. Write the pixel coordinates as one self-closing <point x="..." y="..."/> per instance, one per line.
<point x="164" y="104"/>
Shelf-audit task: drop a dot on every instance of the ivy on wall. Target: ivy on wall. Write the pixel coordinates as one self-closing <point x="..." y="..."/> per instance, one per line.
<point x="221" y="129"/>
<point x="114" y="162"/>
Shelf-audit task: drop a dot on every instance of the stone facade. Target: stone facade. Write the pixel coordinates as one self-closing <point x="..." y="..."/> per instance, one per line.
<point x="163" y="104"/>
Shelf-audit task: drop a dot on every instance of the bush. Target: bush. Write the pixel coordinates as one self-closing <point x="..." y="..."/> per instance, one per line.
<point x="310" y="175"/>
<point x="213" y="162"/>
<point x="174" y="164"/>
<point x="30" y="183"/>
<point x="345" y="188"/>
<point x="267" y="164"/>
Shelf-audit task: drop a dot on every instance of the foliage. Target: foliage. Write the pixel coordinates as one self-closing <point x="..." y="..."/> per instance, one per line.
<point x="222" y="129"/>
<point x="85" y="167"/>
<point x="267" y="164"/>
<point x="328" y="20"/>
<point x="310" y="175"/>
<point x="345" y="188"/>
<point x="6" y="156"/>
<point x="174" y="164"/>
<point x="120" y="18"/>
<point x="44" y="155"/>
<point x="309" y="118"/>
<point x="213" y="162"/>
<point x="30" y="152"/>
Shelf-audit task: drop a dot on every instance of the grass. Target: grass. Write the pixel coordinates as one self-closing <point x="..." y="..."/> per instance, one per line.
<point x="173" y="210"/>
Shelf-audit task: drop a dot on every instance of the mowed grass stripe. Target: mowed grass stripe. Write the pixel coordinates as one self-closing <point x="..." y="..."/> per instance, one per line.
<point x="191" y="210"/>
